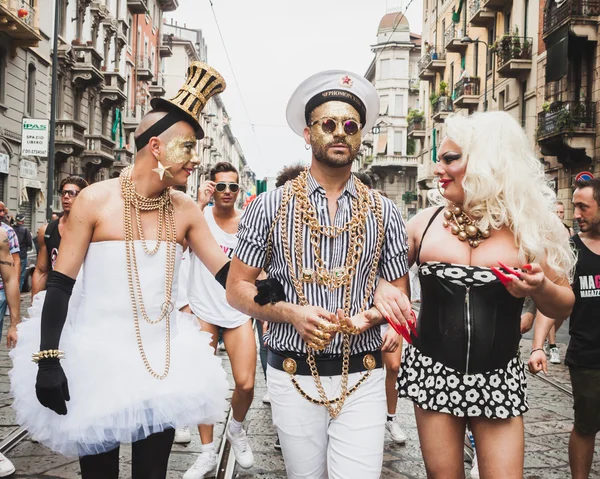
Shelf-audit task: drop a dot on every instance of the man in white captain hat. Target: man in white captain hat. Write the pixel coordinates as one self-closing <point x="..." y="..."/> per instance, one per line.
<point x="324" y="240"/>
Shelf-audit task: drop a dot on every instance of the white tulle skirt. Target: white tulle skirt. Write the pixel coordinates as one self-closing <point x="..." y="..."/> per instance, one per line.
<point x="113" y="397"/>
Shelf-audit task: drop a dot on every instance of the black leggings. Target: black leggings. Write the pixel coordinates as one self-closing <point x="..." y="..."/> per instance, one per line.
<point x="149" y="459"/>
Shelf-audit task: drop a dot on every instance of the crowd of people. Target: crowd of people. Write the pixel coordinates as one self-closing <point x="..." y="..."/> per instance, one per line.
<point x="126" y="315"/>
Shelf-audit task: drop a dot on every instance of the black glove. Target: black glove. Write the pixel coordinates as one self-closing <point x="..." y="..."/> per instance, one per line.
<point x="221" y="276"/>
<point x="51" y="386"/>
<point x="269" y="291"/>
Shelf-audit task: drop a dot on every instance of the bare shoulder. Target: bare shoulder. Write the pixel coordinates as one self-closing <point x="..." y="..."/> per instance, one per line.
<point x="182" y="200"/>
<point x="42" y="230"/>
<point x="100" y="191"/>
<point x="423" y="216"/>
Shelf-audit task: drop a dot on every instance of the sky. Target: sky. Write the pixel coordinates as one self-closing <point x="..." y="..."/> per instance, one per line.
<point x="274" y="45"/>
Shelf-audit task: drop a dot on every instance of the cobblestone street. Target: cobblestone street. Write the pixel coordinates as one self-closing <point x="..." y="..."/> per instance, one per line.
<point x="547" y="428"/>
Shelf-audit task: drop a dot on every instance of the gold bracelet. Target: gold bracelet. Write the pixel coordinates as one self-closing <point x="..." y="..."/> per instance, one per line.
<point x="47" y="354"/>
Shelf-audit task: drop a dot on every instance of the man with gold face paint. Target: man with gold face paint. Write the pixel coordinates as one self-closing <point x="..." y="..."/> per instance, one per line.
<point x="324" y="240"/>
<point x="130" y="368"/>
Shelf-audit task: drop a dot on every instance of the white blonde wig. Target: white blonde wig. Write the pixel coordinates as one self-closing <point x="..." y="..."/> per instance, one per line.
<point x="505" y="185"/>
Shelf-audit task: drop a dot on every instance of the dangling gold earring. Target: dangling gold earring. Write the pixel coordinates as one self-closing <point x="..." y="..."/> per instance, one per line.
<point x="162" y="170"/>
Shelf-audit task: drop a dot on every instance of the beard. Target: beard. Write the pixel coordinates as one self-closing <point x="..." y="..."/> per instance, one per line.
<point x="323" y="154"/>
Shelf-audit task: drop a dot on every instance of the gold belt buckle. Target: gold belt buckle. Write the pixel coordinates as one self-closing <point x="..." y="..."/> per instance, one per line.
<point x="290" y="366"/>
<point x="369" y="362"/>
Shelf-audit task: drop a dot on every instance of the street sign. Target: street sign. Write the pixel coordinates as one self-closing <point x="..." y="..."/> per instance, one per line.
<point x="28" y="169"/>
<point x="584" y="175"/>
<point x="34" y="137"/>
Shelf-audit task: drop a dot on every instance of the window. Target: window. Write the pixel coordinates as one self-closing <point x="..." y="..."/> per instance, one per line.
<point x="507" y="22"/>
<point x="399" y="106"/>
<point x="91" y="115"/>
<point x="60" y="100"/>
<point x="2" y="74"/>
<point x="104" y="126"/>
<point x="451" y="79"/>
<point x="523" y="104"/>
<point x="384" y="69"/>
<point x="383" y="104"/>
<point x="31" y="90"/>
<point x="398" y="137"/>
<point x="501" y="101"/>
<point x="399" y="68"/>
<point x="62" y="15"/>
<point x="490" y="41"/>
<point x="77" y="96"/>
<point x="444" y="33"/>
<point x="129" y="30"/>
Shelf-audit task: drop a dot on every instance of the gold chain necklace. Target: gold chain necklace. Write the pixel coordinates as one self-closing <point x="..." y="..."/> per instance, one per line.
<point x="166" y="229"/>
<point x="463" y="226"/>
<point x="305" y="214"/>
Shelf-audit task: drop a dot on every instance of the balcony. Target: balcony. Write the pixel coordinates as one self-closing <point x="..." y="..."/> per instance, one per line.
<point x="567" y="130"/>
<point x="19" y="21"/>
<point x="86" y="69"/>
<point x="137" y="6"/>
<point x="69" y="139"/>
<point x="425" y="176"/>
<point x="413" y="86"/>
<point x="144" y="68"/>
<point x="441" y="109"/>
<point x="480" y="16"/>
<point x="452" y="37"/>
<point x="132" y="117"/>
<point x="166" y="46"/>
<point x="113" y="93"/>
<point x="157" y="87"/>
<point x="513" y="55"/>
<point x="168" y="5"/>
<point x="416" y="129"/>
<point x="395" y="160"/>
<point x="496" y="5"/>
<point x="466" y="93"/>
<point x="123" y="158"/>
<point x="579" y="13"/>
<point x="99" y="150"/>
<point x="122" y="32"/>
<point x="430" y="63"/>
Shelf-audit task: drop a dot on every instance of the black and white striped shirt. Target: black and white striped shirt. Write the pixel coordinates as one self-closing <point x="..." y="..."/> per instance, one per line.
<point x="252" y="246"/>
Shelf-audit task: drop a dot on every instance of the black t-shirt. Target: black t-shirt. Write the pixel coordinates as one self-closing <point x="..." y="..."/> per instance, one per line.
<point x="584" y="328"/>
<point x="52" y="240"/>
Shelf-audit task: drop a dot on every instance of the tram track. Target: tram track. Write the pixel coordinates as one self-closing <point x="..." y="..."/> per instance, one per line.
<point x="549" y="382"/>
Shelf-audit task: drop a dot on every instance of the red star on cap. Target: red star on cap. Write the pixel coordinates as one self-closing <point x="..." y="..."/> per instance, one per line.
<point x="346" y="81"/>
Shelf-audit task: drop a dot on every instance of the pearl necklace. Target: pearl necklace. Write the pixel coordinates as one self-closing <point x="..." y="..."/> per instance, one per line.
<point x="465" y="227"/>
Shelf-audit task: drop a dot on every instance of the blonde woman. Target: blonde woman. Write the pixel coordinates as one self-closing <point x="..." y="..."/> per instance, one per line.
<point x="494" y="241"/>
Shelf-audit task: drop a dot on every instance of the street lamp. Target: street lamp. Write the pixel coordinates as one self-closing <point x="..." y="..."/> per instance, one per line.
<point x="487" y="63"/>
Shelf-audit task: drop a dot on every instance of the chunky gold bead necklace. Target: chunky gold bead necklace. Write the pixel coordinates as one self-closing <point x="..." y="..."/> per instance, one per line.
<point x="166" y="231"/>
<point x="465" y="227"/>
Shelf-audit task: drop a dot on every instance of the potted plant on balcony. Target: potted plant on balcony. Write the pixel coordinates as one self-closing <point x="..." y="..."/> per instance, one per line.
<point x="526" y="53"/>
<point x="415" y="118"/>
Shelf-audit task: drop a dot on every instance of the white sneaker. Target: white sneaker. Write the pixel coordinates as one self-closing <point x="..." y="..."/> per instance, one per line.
<point x="221" y="347"/>
<point x="206" y="462"/>
<point x="6" y="467"/>
<point x="554" y="355"/>
<point x="396" y="432"/>
<point x="266" y="399"/>
<point x="182" y="435"/>
<point x="475" y="468"/>
<point x="241" y="448"/>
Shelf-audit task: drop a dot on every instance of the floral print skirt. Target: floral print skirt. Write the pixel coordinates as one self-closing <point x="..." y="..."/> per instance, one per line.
<point x="497" y="394"/>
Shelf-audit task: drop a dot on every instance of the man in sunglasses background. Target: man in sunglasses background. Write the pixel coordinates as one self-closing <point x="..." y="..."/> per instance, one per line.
<point x="208" y="303"/>
<point x="49" y="235"/>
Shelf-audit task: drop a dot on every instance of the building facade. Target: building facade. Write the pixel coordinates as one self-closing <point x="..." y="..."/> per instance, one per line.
<point x="219" y="142"/>
<point x="25" y="29"/>
<point x="477" y="55"/>
<point x="389" y="154"/>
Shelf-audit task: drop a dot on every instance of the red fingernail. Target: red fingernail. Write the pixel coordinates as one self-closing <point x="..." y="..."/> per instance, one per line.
<point x="393" y="325"/>
<point x="527" y="266"/>
<point x="413" y="328"/>
<point x="510" y="270"/>
<point x="505" y="280"/>
<point x="405" y="334"/>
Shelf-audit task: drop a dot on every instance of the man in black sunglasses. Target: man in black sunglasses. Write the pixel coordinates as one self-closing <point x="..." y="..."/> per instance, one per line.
<point x="324" y="239"/>
<point x="208" y="303"/>
<point x="49" y="235"/>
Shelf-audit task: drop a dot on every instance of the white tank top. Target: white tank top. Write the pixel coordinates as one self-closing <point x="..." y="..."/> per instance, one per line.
<point x="205" y="294"/>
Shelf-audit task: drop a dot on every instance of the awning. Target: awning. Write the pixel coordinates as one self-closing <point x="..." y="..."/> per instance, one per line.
<point x="382" y="144"/>
<point x="558" y="54"/>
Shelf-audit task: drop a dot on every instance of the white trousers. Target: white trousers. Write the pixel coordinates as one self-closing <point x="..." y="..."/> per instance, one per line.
<point x="315" y="446"/>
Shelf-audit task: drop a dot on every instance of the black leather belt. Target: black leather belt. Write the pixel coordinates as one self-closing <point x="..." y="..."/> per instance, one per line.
<point x="294" y="363"/>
